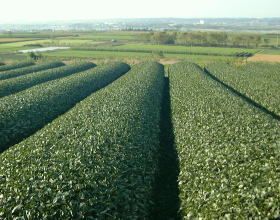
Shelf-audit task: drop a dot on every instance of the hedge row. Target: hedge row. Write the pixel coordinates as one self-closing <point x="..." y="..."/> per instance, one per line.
<point x="15" y="65"/>
<point x="23" y="113"/>
<point x="29" y="69"/>
<point x="258" y="81"/>
<point x="13" y="85"/>
<point x="229" y="151"/>
<point x="97" y="161"/>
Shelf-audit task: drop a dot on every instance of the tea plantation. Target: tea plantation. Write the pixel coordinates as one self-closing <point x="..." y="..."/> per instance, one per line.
<point x="87" y="141"/>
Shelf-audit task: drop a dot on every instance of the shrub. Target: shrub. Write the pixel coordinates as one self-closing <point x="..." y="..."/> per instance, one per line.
<point x="97" y="161"/>
<point x="15" y="65"/>
<point x="30" y="69"/>
<point x="17" y="84"/>
<point x="23" y="113"/>
<point x="228" y="150"/>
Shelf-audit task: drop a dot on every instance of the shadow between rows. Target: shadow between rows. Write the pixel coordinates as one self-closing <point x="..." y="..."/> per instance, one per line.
<point x="166" y="192"/>
<point x="241" y="95"/>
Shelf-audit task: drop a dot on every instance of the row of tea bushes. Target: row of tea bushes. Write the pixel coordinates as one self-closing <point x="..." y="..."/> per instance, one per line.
<point x="13" y="85"/>
<point x="258" y="81"/>
<point x="30" y="69"/>
<point x="16" y="65"/>
<point x="229" y="151"/>
<point x="25" y="112"/>
<point x="97" y="161"/>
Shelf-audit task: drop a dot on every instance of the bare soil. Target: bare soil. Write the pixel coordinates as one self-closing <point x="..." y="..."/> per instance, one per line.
<point x="265" y="58"/>
<point x="169" y="61"/>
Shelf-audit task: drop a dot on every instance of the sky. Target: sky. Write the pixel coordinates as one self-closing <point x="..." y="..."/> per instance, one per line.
<point x="52" y="10"/>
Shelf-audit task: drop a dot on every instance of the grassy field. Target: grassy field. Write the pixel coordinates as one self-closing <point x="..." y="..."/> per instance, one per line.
<point x="12" y="47"/>
<point x="272" y="51"/>
<point x="273" y="39"/>
<point x="72" y="42"/>
<point x="95" y="54"/>
<point x="7" y="40"/>
<point x="7" y="58"/>
<point x="133" y="55"/>
<point x="38" y="34"/>
<point x="185" y="49"/>
<point x="98" y="45"/>
<point x="123" y="36"/>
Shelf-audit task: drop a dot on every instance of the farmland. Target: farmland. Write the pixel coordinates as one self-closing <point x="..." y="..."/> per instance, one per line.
<point x="260" y="82"/>
<point x="119" y="55"/>
<point x="120" y="128"/>
<point x="182" y="49"/>
<point x="109" y="36"/>
<point x="228" y="150"/>
<point x="15" y="66"/>
<point x="34" y="103"/>
<point x="265" y="58"/>
<point x="125" y="156"/>
<point x="29" y="69"/>
<point x="9" y="40"/>
<point x="116" y="46"/>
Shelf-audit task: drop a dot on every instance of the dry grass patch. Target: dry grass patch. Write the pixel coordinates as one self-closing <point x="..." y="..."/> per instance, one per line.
<point x="265" y="58"/>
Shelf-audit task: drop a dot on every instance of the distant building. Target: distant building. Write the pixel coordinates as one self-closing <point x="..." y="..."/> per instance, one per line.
<point x="201" y="22"/>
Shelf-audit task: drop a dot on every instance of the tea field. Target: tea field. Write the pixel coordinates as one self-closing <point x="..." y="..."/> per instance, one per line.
<point x="81" y="140"/>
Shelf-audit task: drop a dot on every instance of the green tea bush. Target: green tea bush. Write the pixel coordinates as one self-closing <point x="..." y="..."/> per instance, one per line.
<point x="97" y="161"/>
<point x="29" y="69"/>
<point x="13" y="85"/>
<point x="16" y="65"/>
<point x="258" y="81"/>
<point x="23" y="113"/>
<point x="229" y="151"/>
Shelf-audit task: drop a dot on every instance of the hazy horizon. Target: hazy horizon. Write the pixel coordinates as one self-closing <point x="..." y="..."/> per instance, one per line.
<point x="32" y="11"/>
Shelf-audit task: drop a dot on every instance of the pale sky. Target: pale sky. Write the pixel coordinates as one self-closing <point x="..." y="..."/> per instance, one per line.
<point x="50" y="10"/>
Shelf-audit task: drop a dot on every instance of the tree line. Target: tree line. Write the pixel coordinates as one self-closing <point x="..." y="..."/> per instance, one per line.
<point x="203" y="39"/>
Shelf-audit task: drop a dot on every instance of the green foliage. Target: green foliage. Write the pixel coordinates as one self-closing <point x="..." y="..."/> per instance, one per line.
<point x="20" y="83"/>
<point x="15" y="65"/>
<point x="202" y="38"/>
<point x="23" y="113"/>
<point x="157" y="54"/>
<point x="246" y="40"/>
<point x="170" y="49"/>
<point x="258" y="81"/>
<point x="35" y="56"/>
<point x="163" y="37"/>
<point x="229" y="151"/>
<point x="30" y="69"/>
<point x="97" y="161"/>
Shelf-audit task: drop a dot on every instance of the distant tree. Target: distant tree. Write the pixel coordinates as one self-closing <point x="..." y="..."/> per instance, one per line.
<point x="163" y="38"/>
<point x="238" y="40"/>
<point x="218" y="38"/>
<point x="202" y="38"/>
<point x="32" y="55"/>
<point x="10" y="33"/>
<point x="35" y="56"/>
<point x="181" y="38"/>
<point x="258" y="40"/>
<point x="266" y="41"/>
<point x="145" y="36"/>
